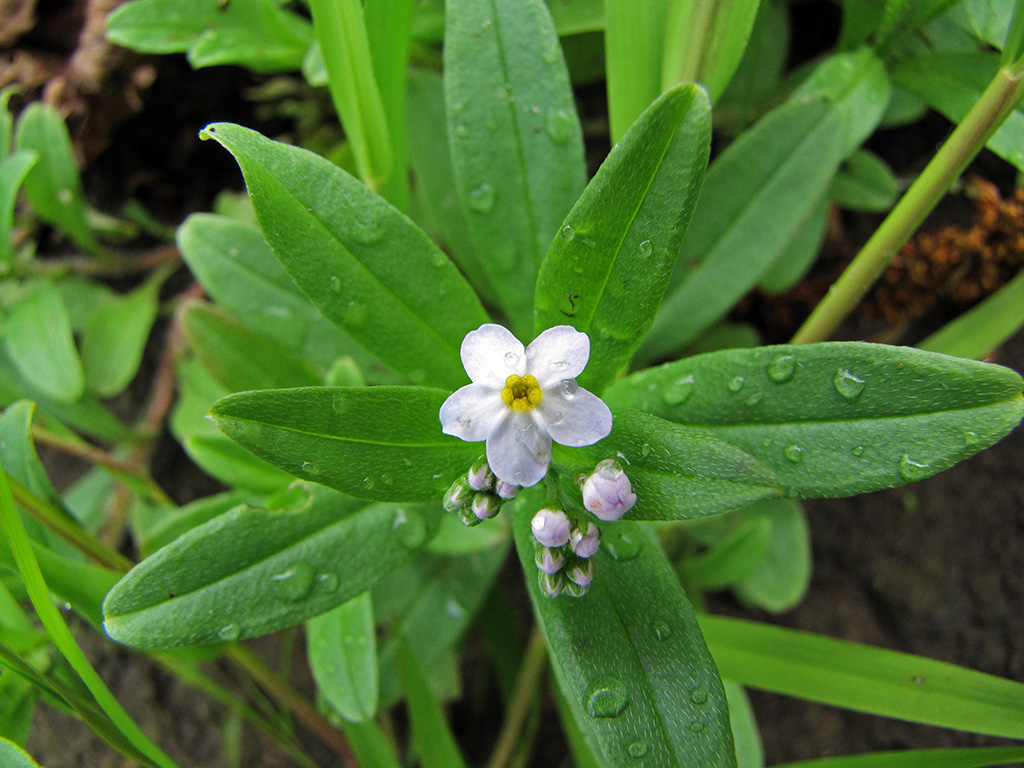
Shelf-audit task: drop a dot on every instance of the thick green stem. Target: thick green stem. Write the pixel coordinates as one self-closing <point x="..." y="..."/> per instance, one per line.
<point x="997" y="102"/>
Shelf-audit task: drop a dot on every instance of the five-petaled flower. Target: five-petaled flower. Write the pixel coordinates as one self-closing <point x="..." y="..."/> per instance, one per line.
<point x="522" y="399"/>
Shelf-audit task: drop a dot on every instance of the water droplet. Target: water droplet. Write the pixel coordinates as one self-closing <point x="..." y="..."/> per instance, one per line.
<point x="568" y="232"/>
<point x="335" y="282"/>
<point x="555" y="417"/>
<point x="481" y="199"/>
<point x="699" y="696"/>
<point x="858" y="451"/>
<point x="679" y="391"/>
<point x="294" y="583"/>
<point x="696" y="726"/>
<point x="607" y="699"/>
<point x="560" y="125"/>
<point x="782" y="368"/>
<point x="354" y="314"/>
<point x="569" y="388"/>
<point x="328" y="581"/>
<point x="912" y="470"/>
<point x="755" y="398"/>
<point x="369" y="228"/>
<point x="308" y="468"/>
<point x="662" y="629"/>
<point x="848" y="385"/>
<point x="794" y="453"/>
<point x="736" y="383"/>
<point x="229" y="633"/>
<point x="511" y="358"/>
<point x="645" y="450"/>
<point x="646" y="248"/>
<point x="409" y="529"/>
<point x="971" y="438"/>
<point x="624" y="547"/>
<point x="637" y="749"/>
<point x="919" y="680"/>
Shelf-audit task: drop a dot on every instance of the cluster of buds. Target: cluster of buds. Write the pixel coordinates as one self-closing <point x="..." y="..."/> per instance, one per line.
<point x="563" y="552"/>
<point x="478" y="495"/>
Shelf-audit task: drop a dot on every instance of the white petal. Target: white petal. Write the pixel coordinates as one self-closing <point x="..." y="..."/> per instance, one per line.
<point x="518" y="451"/>
<point x="558" y="353"/>
<point x="472" y="412"/>
<point x="578" y="419"/>
<point x="491" y="354"/>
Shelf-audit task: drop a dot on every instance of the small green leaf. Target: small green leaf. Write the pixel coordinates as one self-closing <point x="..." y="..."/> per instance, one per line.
<point x="629" y="656"/>
<point x="434" y="740"/>
<point x="982" y="329"/>
<point x="864" y="678"/>
<point x="517" y="147"/>
<point x="732" y="558"/>
<point x="834" y="419"/>
<point x="382" y="443"/>
<point x="977" y="757"/>
<point x="865" y="183"/>
<point x="342" y="649"/>
<point x="13" y="170"/>
<point x="371" y="747"/>
<point x="366" y="266"/>
<point x="902" y="17"/>
<point x="607" y="269"/>
<point x="780" y="581"/>
<point x="52" y="185"/>
<point x="41" y="346"/>
<point x="17" y="708"/>
<point x="310" y="552"/>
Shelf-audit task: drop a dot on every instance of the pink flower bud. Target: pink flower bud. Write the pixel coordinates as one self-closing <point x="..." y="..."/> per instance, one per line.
<point x="549" y="560"/>
<point x="479" y="477"/>
<point x="607" y="492"/>
<point x="551" y="527"/>
<point x="551" y="585"/>
<point x="507" y="490"/>
<point x="485" y="505"/>
<point x="585" y="544"/>
<point x="582" y="573"/>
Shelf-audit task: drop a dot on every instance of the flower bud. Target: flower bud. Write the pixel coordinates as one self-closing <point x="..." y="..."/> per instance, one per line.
<point x="551" y="585"/>
<point x="507" y="490"/>
<point x="468" y="518"/>
<point x="607" y="492"/>
<point x="585" y="544"/>
<point x="582" y="573"/>
<point x="457" y="495"/>
<point x="549" y="560"/>
<point x="551" y="527"/>
<point x="572" y="589"/>
<point x="479" y="476"/>
<point x="485" y="505"/>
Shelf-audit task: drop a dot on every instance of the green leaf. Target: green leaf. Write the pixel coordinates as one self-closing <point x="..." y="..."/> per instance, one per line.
<point x="837" y="418"/>
<point x="239" y="358"/>
<point x="705" y="41"/>
<point x="1013" y="46"/>
<point x="41" y="346"/>
<point x="800" y="252"/>
<point x="749" y="752"/>
<point x="732" y="558"/>
<point x="342" y="650"/>
<point x="370" y="745"/>
<point x="865" y="183"/>
<point x="13" y="170"/>
<point x="17" y="707"/>
<point x="160" y="526"/>
<point x="864" y="678"/>
<point x="780" y="581"/>
<point x="634" y="41"/>
<point x="13" y="756"/>
<point x="366" y="266"/>
<point x="52" y="185"/>
<point x="115" y="338"/>
<point x="978" y="757"/>
<point x="6" y="121"/>
<point x="761" y="190"/>
<point x="432" y="736"/>
<point x="237" y="268"/>
<point x="18" y="451"/>
<point x="310" y="552"/>
<point x="758" y="79"/>
<point x="517" y="148"/>
<point x="382" y="443"/>
<point x="902" y="17"/>
<point x="983" y="328"/>
<point x="629" y="656"/>
<point x="607" y="270"/>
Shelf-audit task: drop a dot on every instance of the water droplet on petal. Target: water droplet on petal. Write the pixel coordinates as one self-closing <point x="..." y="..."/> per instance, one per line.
<point x="511" y="358"/>
<point x="794" y="453"/>
<point x="782" y="368"/>
<point x="481" y="199"/>
<point x="229" y="633"/>
<point x="294" y="583"/>
<point x="848" y="385"/>
<point x="569" y="388"/>
<point x="555" y="417"/>
<point x="699" y="696"/>
<point x="607" y="699"/>
<point x="736" y="383"/>
<point x="662" y="629"/>
<point x="912" y="470"/>
<point x="568" y="232"/>
<point x="679" y="391"/>
<point x="646" y="248"/>
<point x="637" y="749"/>
<point x="409" y="528"/>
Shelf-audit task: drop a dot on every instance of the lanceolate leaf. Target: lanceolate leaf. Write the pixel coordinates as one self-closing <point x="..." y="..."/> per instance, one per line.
<point x="517" y="148"/>
<point x="362" y="262"/>
<point x="342" y="648"/>
<point x="630" y="657"/>
<point x="381" y="443"/>
<point x="980" y="330"/>
<point x="835" y="419"/>
<point x="314" y="550"/>
<point x="12" y="173"/>
<point x="970" y="757"/>
<point x="607" y="269"/>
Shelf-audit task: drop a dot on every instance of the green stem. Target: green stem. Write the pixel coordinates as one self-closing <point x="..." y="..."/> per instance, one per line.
<point x="534" y="664"/>
<point x="998" y="101"/>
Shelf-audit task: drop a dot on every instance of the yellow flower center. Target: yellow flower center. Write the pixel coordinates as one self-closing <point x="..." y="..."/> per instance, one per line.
<point x="521" y="393"/>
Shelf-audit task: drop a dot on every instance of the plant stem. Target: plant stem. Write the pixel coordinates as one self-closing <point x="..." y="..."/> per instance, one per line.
<point x="90" y="266"/>
<point x="998" y="101"/>
<point x="527" y="682"/>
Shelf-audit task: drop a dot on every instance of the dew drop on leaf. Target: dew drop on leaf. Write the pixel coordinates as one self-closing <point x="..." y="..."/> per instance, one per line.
<point x="328" y="582"/>
<point x="409" y="528"/>
<point x="335" y="283"/>
<point x="461" y="130"/>
<point x="646" y="248"/>
<point x="848" y="385"/>
<point x="293" y="583"/>
<point x="971" y="438"/>
<point x="679" y="391"/>
<point x="696" y="726"/>
<point x="912" y="470"/>
<point x="481" y="199"/>
<point x="662" y="629"/>
<point x="369" y="228"/>
<point x="354" y="314"/>
<point x="608" y="699"/>
<point x="858" y="451"/>
<point x="622" y="546"/>
<point x="229" y="633"/>
<point x="568" y="232"/>
<point x="308" y="468"/>
<point x="782" y="368"/>
<point x="755" y="398"/>
<point x="637" y="749"/>
<point x="736" y="383"/>
<point x="699" y="696"/>
<point x="559" y="125"/>
<point x="794" y="453"/>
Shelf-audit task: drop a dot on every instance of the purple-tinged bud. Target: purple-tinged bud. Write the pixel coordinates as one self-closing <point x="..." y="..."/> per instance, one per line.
<point x="582" y="573"/>
<point x="480" y="477"/>
<point x="607" y="492"/>
<point x="551" y="527"/>
<point x="572" y="589"/>
<point x="468" y="518"/>
<point x="549" y="561"/>
<point x="507" y="490"/>
<point x="457" y="495"/>
<point x="585" y="544"/>
<point x="485" y="505"/>
<point x="550" y="584"/>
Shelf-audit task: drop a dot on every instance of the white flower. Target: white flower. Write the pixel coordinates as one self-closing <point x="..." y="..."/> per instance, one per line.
<point x="522" y="399"/>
